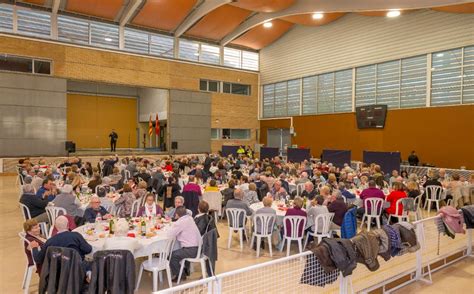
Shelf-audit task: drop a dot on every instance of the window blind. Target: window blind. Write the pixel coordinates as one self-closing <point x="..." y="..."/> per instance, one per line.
<point x="446" y="77"/>
<point x="343" y="91"/>
<point x="310" y="95"/>
<point x="365" y="85"/>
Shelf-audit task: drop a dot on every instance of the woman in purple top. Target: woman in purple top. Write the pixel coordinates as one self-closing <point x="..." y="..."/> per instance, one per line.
<point x="150" y="208"/>
<point x="295" y="211"/>
<point x="371" y="192"/>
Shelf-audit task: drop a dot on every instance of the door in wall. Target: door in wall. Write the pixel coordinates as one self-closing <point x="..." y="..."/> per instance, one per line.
<point x="279" y="138"/>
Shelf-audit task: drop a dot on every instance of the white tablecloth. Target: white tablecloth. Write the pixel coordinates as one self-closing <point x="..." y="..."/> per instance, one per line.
<point x="97" y="243"/>
<point x="280" y="213"/>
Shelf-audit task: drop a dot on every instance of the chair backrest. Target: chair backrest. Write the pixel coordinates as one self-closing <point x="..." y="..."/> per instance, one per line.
<point x="294" y="222"/>
<point x="397" y="205"/>
<point x="127" y="174"/>
<point x="418" y="201"/>
<point x="214" y="199"/>
<point x="434" y="192"/>
<point x="117" y="210"/>
<point x="135" y="208"/>
<point x="108" y="206"/>
<point x="140" y="179"/>
<point x="97" y="189"/>
<point x="323" y="222"/>
<point x="53" y="212"/>
<point x="233" y="217"/>
<point x="162" y="249"/>
<point x="375" y="204"/>
<point x="263" y="224"/>
<point x="299" y="189"/>
<point x="25" y="211"/>
<point x="344" y="198"/>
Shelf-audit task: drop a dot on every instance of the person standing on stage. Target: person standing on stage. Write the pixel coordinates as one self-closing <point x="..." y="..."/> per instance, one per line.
<point x="113" y="140"/>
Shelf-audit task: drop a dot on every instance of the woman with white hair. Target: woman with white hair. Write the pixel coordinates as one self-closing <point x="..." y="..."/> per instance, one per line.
<point x="120" y="240"/>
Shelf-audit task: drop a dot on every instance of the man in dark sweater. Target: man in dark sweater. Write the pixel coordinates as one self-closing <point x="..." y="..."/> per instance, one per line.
<point x="63" y="238"/>
<point x="338" y="207"/>
<point x="36" y="205"/>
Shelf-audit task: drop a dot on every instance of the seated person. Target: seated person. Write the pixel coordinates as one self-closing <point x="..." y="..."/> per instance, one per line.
<point x="178" y="201"/>
<point x="228" y="193"/>
<point x="296" y="211"/>
<point x="267" y="206"/>
<point x="151" y="208"/>
<point x="33" y="233"/>
<point x="96" y="180"/>
<point x="371" y="192"/>
<point x="120" y="240"/>
<point x="64" y="238"/>
<point x="338" y="207"/>
<point x="393" y="197"/>
<point x="90" y="214"/>
<point x="185" y="231"/>
<point x="315" y="209"/>
<point x="412" y="188"/>
<point x="344" y="192"/>
<point x="47" y="191"/>
<point x="35" y="204"/>
<point x="309" y="192"/>
<point x="212" y="187"/>
<point x="125" y="202"/>
<point x="67" y="200"/>
<point x="278" y="192"/>
<point x="204" y="221"/>
<point x="250" y="196"/>
<point x="238" y="202"/>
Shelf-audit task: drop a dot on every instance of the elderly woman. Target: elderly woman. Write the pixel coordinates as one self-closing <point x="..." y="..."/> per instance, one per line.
<point x="178" y="201"/>
<point x="33" y="233"/>
<point x="212" y="187"/>
<point x="94" y="182"/>
<point x="105" y="187"/>
<point x="250" y="196"/>
<point x="295" y="211"/>
<point x="455" y="192"/>
<point x="115" y="177"/>
<point x="141" y="191"/>
<point x="204" y="221"/>
<point x="125" y="202"/>
<point x="94" y="209"/>
<point x="120" y="240"/>
<point x="67" y="200"/>
<point x="413" y="190"/>
<point x="393" y="197"/>
<point x="150" y="208"/>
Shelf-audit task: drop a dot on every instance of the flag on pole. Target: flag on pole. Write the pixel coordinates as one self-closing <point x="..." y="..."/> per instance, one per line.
<point x="157" y="126"/>
<point x="150" y="128"/>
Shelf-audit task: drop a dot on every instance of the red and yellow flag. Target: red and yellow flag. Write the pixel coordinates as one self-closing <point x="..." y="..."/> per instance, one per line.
<point x="157" y="126"/>
<point x="150" y="128"/>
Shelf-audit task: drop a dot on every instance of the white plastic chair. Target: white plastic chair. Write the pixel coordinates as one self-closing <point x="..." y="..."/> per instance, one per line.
<point x="109" y="206"/>
<point x="29" y="269"/>
<point x="25" y="211"/>
<point x="117" y="210"/>
<point x="294" y="222"/>
<point x="402" y="216"/>
<point x="376" y="206"/>
<point x="127" y="174"/>
<point x="163" y="249"/>
<point x="263" y="228"/>
<point x="299" y="189"/>
<point x="433" y="194"/>
<point x="135" y="208"/>
<point x="97" y="189"/>
<point x="200" y="258"/>
<point x="325" y="219"/>
<point x="418" y="213"/>
<point x="233" y="220"/>
<point x="53" y="212"/>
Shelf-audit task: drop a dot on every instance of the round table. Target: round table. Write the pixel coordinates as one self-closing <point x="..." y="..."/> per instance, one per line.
<point x="279" y="211"/>
<point x="100" y="234"/>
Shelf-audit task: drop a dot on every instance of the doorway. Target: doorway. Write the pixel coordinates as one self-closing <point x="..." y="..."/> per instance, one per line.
<point x="279" y="138"/>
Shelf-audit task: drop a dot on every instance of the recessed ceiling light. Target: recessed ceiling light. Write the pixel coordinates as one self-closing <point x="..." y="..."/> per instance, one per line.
<point x="108" y="39"/>
<point x="393" y="13"/>
<point x="440" y="55"/>
<point x="267" y="24"/>
<point x="318" y="15"/>
<point x="433" y="69"/>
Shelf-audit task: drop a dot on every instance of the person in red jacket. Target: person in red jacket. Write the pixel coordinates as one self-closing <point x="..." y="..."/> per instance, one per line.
<point x="393" y="197"/>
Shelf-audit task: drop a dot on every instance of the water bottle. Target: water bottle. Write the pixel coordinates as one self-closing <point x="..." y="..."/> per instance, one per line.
<point x="98" y="218"/>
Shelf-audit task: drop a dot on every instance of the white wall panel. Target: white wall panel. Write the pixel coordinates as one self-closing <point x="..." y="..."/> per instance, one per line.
<point x="356" y="40"/>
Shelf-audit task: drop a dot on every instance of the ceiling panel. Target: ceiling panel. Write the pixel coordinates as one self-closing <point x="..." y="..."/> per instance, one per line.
<point x="163" y="14"/>
<point x="259" y="36"/>
<point x="307" y="19"/>
<point x="381" y="13"/>
<point x="39" y="2"/>
<point x="107" y="9"/>
<point x="264" y="5"/>
<point x="219" y="22"/>
<point x="461" y="8"/>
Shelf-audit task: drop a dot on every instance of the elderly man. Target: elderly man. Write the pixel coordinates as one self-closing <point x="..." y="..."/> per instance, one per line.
<point x="278" y="192"/>
<point x="338" y="207"/>
<point x="303" y="178"/>
<point x="67" y="200"/>
<point x="178" y="202"/>
<point x="63" y="238"/>
<point x="94" y="209"/>
<point x="309" y="192"/>
<point x="238" y="202"/>
<point x="371" y="192"/>
<point x="185" y="231"/>
<point x="120" y="240"/>
<point x="35" y="205"/>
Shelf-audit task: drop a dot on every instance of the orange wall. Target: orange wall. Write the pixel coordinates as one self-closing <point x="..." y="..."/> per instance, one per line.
<point x="442" y="136"/>
<point x="91" y="118"/>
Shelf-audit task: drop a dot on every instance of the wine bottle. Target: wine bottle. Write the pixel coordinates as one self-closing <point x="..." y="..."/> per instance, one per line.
<point x="111" y="226"/>
<point x="143" y="227"/>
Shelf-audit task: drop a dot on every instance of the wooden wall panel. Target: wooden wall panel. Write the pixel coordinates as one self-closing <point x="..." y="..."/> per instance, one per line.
<point x="91" y="118"/>
<point x="440" y="135"/>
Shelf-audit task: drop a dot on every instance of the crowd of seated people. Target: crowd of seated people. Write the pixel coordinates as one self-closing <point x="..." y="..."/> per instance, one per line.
<point x="159" y="185"/>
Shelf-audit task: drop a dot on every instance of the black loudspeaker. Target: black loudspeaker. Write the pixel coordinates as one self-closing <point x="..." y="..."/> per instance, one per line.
<point x="174" y="145"/>
<point x="70" y="146"/>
